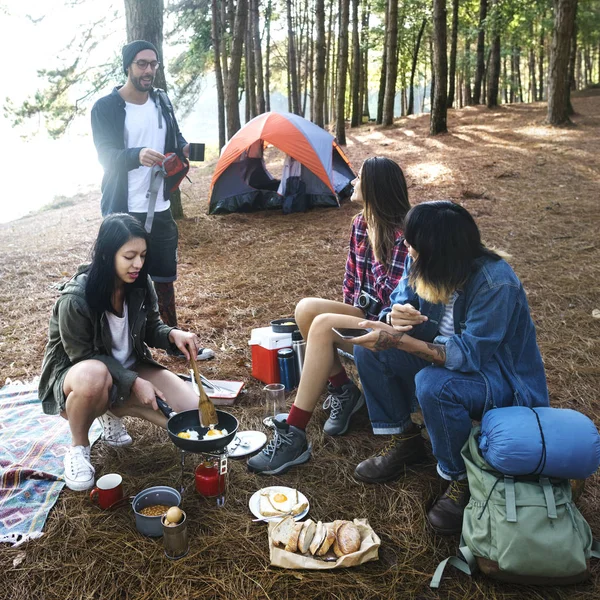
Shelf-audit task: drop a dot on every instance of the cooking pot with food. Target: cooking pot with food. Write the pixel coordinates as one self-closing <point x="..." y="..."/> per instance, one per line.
<point x="150" y="505"/>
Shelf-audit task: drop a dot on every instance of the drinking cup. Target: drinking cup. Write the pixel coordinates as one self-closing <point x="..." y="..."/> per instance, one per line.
<point x="197" y="152"/>
<point x="108" y="490"/>
<point x="274" y="402"/>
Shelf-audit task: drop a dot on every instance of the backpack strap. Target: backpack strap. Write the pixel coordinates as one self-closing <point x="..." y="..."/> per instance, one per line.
<point x="549" y="495"/>
<point x="510" y="499"/>
<point x="465" y="562"/>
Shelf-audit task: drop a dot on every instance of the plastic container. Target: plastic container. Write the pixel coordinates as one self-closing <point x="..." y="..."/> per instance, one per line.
<point x="265" y="343"/>
<point x="284" y="325"/>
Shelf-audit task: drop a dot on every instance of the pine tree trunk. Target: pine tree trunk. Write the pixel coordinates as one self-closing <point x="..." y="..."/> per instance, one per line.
<point x="494" y="69"/>
<point x="292" y="70"/>
<point x="453" y="46"/>
<point x="258" y="61"/>
<point x="232" y="103"/>
<point x="532" y="80"/>
<point x="364" y="59"/>
<point x="558" y="77"/>
<point x="467" y="98"/>
<point x="250" y="75"/>
<point x="216" y="42"/>
<point x="319" y="109"/>
<point x="415" y="57"/>
<point x="356" y="68"/>
<point x="268" y="14"/>
<point x="572" y="58"/>
<point x="340" y="123"/>
<point x="479" y="72"/>
<point x="383" y="75"/>
<point x="541" y="75"/>
<point x="437" y="123"/>
<point x="392" y="63"/>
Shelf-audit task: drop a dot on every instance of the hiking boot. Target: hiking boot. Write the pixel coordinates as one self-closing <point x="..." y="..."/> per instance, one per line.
<point x="287" y="448"/>
<point x="79" y="473"/>
<point x="344" y="402"/>
<point x="203" y="353"/>
<point x="115" y="433"/>
<point x="387" y="465"/>
<point x="446" y="515"/>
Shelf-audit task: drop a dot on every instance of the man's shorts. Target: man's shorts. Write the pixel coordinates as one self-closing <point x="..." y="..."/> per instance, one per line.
<point x="162" y="263"/>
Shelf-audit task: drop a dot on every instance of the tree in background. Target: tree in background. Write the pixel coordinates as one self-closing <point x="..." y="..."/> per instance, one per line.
<point x="558" y="77"/>
<point x="437" y="122"/>
<point x="391" y="64"/>
<point x="340" y="124"/>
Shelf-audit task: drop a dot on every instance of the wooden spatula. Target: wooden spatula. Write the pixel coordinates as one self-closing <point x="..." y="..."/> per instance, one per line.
<point x="208" y="412"/>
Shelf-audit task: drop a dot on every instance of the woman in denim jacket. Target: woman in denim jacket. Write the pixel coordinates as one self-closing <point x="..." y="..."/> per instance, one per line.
<point x="459" y="339"/>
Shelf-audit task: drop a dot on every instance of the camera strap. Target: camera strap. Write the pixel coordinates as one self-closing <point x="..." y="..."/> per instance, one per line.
<point x="157" y="178"/>
<point x="364" y="266"/>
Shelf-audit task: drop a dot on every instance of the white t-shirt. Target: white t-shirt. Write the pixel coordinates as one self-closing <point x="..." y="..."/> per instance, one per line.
<point x="142" y="131"/>
<point x="447" y="321"/>
<point x="122" y="346"/>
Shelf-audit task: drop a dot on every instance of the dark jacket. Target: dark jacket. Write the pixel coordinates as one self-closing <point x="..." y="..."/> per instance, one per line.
<point x="79" y="333"/>
<point x="108" y="128"/>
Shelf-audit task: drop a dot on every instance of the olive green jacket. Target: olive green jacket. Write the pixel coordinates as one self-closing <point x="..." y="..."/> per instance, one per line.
<point x="79" y="333"/>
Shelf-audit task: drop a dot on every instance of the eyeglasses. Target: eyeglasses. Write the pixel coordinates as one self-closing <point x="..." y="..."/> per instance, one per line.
<point x="143" y="64"/>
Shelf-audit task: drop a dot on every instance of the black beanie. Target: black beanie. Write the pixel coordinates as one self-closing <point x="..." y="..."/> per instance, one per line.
<point x="130" y="50"/>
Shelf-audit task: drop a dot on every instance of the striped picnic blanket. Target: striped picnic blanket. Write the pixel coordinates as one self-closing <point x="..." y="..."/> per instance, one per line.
<point x="32" y="446"/>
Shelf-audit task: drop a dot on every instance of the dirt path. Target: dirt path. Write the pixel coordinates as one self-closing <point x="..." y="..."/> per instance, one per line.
<point x="534" y="192"/>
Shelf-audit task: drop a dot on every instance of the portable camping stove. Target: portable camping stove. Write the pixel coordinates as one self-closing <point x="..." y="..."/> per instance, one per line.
<point x="210" y="475"/>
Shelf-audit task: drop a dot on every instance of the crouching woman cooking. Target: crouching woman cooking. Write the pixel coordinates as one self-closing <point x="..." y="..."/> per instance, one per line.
<point x="97" y="363"/>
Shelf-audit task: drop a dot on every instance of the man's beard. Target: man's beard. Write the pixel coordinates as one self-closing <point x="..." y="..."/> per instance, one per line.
<point x="142" y="87"/>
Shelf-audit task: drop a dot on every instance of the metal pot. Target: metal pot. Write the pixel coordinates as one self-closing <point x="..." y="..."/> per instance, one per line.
<point x="159" y="494"/>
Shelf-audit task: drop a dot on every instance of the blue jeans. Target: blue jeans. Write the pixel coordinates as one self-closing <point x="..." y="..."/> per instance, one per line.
<point x="393" y="379"/>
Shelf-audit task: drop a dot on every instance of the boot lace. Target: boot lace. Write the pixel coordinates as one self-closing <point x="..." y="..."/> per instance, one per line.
<point x="336" y="405"/>
<point x="455" y="490"/>
<point x="277" y="441"/>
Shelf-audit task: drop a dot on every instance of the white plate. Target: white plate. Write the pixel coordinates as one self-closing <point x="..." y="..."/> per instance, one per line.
<point x="246" y="442"/>
<point x="255" y="502"/>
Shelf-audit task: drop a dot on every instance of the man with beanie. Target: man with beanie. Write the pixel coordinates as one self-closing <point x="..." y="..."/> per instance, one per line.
<point x="133" y="128"/>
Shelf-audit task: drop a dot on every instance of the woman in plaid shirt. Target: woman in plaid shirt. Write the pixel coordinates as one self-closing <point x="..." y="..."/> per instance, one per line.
<point x="373" y="269"/>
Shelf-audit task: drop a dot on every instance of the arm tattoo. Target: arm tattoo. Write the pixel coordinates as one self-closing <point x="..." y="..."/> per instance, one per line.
<point x="439" y="351"/>
<point x="386" y="341"/>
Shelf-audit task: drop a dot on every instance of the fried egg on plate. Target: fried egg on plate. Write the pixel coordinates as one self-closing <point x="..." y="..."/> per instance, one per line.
<point x="281" y="501"/>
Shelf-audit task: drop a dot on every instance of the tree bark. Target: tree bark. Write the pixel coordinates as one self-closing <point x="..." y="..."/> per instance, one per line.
<point x="364" y="93"/>
<point x="383" y="75"/>
<point x="558" y="77"/>
<point x="494" y="70"/>
<point x="392" y="63"/>
<point x="319" y="109"/>
<point x="541" y="76"/>
<point x="356" y="68"/>
<point x="437" y="123"/>
<point x="467" y="98"/>
<point x="532" y="80"/>
<point x="480" y="52"/>
<point x="292" y="59"/>
<point x="268" y="14"/>
<point x="411" y="91"/>
<point x="340" y="123"/>
<point x="250" y="74"/>
<point x="258" y="61"/>
<point x="216" y="42"/>
<point x="453" y="46"/>
<point x="232" y="103"/>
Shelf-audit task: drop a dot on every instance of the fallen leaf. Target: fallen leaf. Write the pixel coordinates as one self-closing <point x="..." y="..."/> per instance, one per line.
<point x="596" y="313"/>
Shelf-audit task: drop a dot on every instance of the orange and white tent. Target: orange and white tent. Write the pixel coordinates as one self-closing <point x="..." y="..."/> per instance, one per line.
<point x="316" y="171"/>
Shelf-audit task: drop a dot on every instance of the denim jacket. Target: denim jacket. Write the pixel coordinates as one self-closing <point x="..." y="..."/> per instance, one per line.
<point x="494" y="332"/>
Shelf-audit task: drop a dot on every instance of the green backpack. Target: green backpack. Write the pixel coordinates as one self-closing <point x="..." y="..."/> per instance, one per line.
<point x="520" y="530"/>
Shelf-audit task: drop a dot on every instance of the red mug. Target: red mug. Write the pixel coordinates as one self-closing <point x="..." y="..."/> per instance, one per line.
<point x="108" y="490"/>
<point x="209" y="482"/>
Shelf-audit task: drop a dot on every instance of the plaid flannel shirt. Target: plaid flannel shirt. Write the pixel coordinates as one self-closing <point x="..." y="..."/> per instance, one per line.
<point x="379" y="280"/>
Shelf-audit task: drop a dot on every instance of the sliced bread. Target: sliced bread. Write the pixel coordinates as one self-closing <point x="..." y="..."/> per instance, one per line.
<point x="292" y="544"/>
<point x="327" y="541"/>
<point x="347" y="539"/>
<point x="283" y="531"/>
<point x="306" y="536"/>
<point x="318" y="538"/>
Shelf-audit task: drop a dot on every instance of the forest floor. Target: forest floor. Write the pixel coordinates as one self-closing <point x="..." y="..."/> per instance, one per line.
<point x="534" y="191"/>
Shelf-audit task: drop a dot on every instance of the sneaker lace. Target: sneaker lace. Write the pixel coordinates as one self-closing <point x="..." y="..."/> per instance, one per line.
<point x="79" y="463"/>
<point x="276" y="442"/>
<point x="113" y="426"/>
<point x="336" y="404"/>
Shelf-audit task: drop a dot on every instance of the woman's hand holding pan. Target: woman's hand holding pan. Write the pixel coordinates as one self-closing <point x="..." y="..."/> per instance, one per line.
<point x="145" y="393"/>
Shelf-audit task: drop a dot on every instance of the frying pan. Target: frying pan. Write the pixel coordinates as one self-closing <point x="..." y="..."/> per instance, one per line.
<point x="190" y="419"/>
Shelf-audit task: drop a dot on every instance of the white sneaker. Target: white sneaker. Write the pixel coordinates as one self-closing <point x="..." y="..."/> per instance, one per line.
<point x="79" y="473"/>
<point x="115" y="433"/>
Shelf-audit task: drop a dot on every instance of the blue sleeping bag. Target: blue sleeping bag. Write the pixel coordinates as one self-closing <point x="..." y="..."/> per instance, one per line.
<point x="553" y="442"/>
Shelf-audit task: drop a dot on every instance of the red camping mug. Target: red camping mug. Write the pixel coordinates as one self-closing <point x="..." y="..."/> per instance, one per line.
<point x="108" y="490"/>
